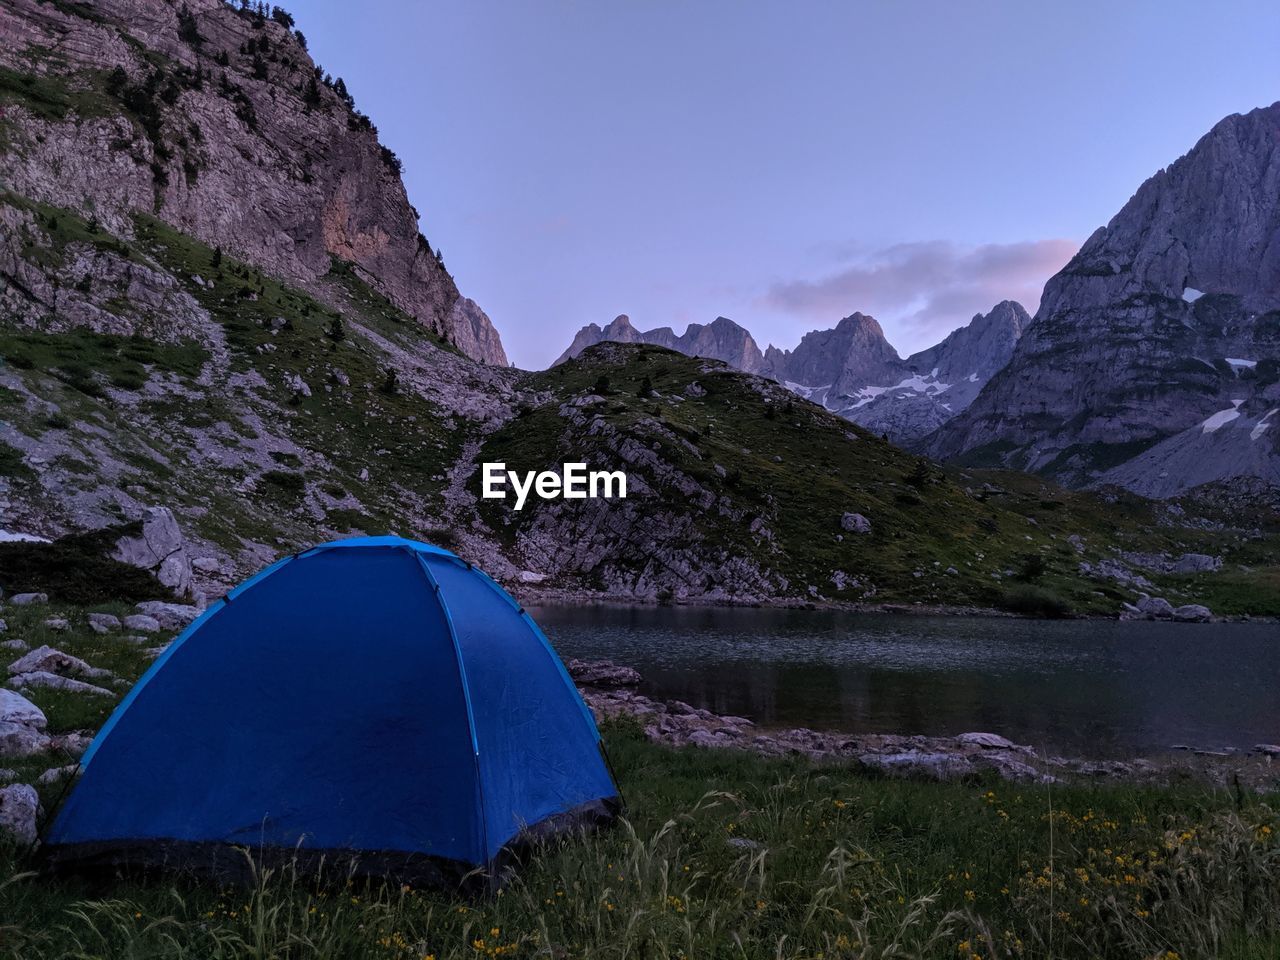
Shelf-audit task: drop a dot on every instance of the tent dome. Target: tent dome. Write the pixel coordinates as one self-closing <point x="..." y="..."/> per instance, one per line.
<point x="373" y="697"/>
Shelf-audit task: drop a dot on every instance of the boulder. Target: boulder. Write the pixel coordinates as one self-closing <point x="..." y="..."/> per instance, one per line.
<point x="15" y="644"/>
<point x="58" y="774"/>
<point x="143" y="622"/>
<point x="207" y="564"/>
<point x="601" y="673"/>
<point x="27" y="599"/>
<point x="1196" y="563"/>
<point x="19" y="810"/>
<point x="935" y="766"/>
<point x="1192" y="613"/>
<point x="103" y="622"/>
<point x="59" y="624"/>
<point x="3" y="626"/>
<point x="52" y="660"/>
<point x="1157" y="607"/>
<point x="170" y="616"/>
<point x="42" y="678"/>
<point x="529" y="576"/>
<point x="21" y="740"/>
<point x="855" y="523"/>
<point x="159" y="548"/>
<point x="15" y="708"/>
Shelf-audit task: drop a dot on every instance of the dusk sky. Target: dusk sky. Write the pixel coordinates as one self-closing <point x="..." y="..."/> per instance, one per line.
<point x="781" y="164"/>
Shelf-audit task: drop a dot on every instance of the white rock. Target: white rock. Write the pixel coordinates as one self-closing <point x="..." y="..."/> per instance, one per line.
<point x="207" y="564"/>
<point x="160" y="548"/>
<point x="19" y="810"/>
<point x="42" y="678"/>
<point x="1193" y="613"/>
<point x="26" y="599"/>
<point x="15" y="644"/>
<point x="51" y="660"/>
<point x="20" y="740"/>
<point x="170" y="616"/>
<point x="143" y="622"/>
<point x="103" y="622"/>
<point x="58" y="774"/>
<point x="528" y="576"/>
<point x="1157" y="607"/>
<point x="57" y="623"/>
<point x="15" y="708"/>
<point x="855" y="523"/>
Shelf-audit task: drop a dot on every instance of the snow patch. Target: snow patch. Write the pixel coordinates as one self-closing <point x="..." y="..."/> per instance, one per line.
<point x="1191" y="294"/>
<point x="1261" y="426"/>
<point x="916" y="384"/>
<point x="8" y="536"/>
<point x="1237" y="364"/>
<point x="1221" y="418"/>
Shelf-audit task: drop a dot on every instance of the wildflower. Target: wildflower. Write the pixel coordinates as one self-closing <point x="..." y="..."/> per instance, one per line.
<point x="838" y="804"/>
<point x="970" y="896"/>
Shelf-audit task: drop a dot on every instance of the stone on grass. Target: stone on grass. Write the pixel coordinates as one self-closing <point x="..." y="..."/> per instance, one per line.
<point x="143" y="622"/>
<point x="3" y="626"/>
<point x="855" y="523"/>
<point x="19" y="810"/>
<point x="58" y="774"/>
<point x="20" y="740"/>
<point x="988" y="741"/>
<point x="103" y="622"/>
<point x="27" y="599"/>
<point x="42" y="678"/>
<point x="170" y="616"/>
<point x="15" y="708"/>
<point x="1196" y="563"/>
<point x="52" y="660"/>
<point x="58" y="623"/>
<point x="15" y="644"/>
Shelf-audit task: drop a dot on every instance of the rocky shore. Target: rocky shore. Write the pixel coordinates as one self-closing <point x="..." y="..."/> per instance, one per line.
<point x="612" y="692"/>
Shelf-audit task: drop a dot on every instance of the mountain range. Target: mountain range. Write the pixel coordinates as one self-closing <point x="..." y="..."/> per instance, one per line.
<point x="852" y="369"/>
<point x="1152" y="363"/>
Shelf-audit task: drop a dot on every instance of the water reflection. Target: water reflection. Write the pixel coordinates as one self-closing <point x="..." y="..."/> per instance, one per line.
<point x="1098" y="687"/>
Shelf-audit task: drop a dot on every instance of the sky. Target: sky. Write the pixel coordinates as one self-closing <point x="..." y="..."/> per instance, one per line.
<point x="780" y="163"/>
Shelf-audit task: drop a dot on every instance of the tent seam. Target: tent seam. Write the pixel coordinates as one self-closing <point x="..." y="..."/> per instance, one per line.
<point x="466" y="698"/>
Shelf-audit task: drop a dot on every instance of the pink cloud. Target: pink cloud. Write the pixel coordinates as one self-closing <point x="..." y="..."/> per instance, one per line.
<point x="927" y="288"/>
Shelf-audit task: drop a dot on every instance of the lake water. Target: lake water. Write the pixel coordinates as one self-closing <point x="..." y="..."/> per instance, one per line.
<point x="1086" y="687"/>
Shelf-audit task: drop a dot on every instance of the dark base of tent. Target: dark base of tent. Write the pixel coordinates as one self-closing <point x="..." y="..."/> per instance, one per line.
<point x="241" y="865"/>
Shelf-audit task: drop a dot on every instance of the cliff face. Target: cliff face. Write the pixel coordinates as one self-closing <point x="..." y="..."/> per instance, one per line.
<point x="215" y="121"/>
<point x="1160" y="341"/>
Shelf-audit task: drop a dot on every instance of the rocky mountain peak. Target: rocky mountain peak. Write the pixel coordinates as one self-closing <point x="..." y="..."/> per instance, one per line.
<point x="231" y="134"/>
<point x="722" y="339"/>
<point x="1168" y="317"/>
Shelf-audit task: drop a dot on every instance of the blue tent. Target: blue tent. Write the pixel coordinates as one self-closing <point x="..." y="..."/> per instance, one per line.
<point x="375" y="697"/>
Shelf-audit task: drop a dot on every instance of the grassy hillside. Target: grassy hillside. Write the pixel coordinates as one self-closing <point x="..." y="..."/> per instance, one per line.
<point x="779" y="474"/>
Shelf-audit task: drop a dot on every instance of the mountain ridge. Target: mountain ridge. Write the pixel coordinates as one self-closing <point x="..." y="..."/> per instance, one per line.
<point x="851" y="369"/>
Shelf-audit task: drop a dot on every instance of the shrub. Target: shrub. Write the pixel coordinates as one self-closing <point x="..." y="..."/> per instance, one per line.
<point x="1034" y="602"/>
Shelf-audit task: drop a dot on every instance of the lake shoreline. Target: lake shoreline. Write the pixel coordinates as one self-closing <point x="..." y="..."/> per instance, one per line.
<point x="610" y="690"/>
<point x="534" y="596"/>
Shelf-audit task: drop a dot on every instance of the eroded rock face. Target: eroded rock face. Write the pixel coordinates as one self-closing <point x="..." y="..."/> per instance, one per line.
<point x="1157" y="345"/>
<point x="159" y="548"/>
<point x="285" y="174"/>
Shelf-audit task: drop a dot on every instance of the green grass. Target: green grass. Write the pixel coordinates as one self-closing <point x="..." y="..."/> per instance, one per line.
<point x="87" y="361"/>
<point x="728" y="855"/>
<point x="76" y="569"/>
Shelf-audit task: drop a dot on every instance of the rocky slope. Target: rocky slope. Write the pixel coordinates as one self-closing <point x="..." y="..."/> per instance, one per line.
<point x="217" y="122"/>
<point x="1154" y="359"/>
<point x="852" y="369"/>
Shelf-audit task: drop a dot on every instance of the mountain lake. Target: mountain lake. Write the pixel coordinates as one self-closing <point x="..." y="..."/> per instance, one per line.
<point x="1092" y="688"/>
